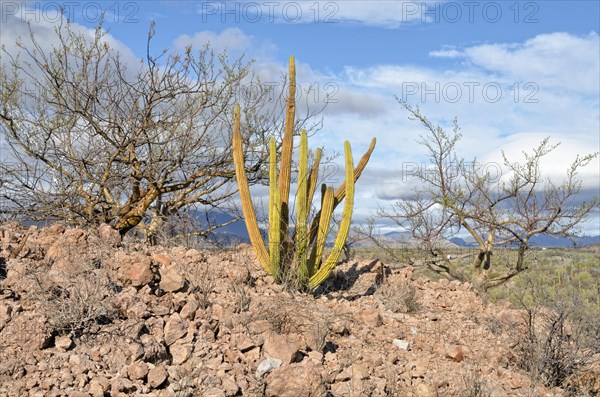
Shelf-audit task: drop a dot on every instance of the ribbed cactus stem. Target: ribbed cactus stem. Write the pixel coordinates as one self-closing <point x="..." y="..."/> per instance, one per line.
<point x="302" y="209"/>
<point x="340" y="192"/>
<point x="285" y="170"/>
<point x="314" y="176"/>
<point x="247" y="206"/>
<point x="322" y="229"/>
<point x="331" y="261"/>
<point x="312" y="183"/>
<point x="274" y="212"/>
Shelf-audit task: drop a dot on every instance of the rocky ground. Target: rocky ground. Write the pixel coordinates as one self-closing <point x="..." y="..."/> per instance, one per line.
<point x="84" y="314"/>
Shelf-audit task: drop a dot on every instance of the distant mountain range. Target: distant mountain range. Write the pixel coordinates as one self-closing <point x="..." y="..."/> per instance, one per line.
<point x="236" y="233"/>
<point x="540" y="240"/>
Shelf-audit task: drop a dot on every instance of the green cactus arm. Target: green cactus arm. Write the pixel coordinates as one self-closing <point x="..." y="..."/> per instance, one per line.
<point x="247" y="206"/>
<point x="274" y="245"/>
<point x="341" y="190"/>
<point x="314" y="175"/>
<point x="312" y="183"/>
<point x="324" y="271"/>
<point x="274" y="212"/>
<point x="322" y="230"/>
<point x="285" y="170"/>
<point x="301" y="239"/>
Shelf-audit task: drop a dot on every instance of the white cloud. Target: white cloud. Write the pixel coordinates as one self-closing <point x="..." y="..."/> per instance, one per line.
<point x="446" y="53"/>
<point x="388" y="14"/>
<point x="554" y="164"/>
<point x="553" y="61"/>
<point x="234" y="39"/>
<point x="16" y="29"/>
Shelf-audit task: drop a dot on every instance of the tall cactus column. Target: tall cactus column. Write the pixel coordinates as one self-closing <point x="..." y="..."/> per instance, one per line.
<point x="301" y="252"/>
<point x="247" y="206"/>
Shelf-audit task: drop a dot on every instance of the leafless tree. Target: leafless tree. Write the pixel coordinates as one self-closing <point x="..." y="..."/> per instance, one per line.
<point x="93" y="139"/>
<point x="496" y="211"/>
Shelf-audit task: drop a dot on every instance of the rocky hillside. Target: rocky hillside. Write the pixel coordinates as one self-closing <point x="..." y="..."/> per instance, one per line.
<point x="84" y="314"/>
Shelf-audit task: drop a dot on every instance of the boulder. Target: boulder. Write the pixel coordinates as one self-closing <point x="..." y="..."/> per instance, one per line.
<point x="134" y="269"/>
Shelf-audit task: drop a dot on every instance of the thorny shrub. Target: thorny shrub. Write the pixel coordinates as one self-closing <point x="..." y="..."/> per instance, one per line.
<point x="558" y="339"/>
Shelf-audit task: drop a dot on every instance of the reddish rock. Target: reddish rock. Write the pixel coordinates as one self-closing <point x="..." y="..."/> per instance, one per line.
<point x="121" y="385"/>
<point x="455" y="353"/>
<point x="109" y="235"/>
<point x="137" y="370"/>
<point x="300" y="379"/>
<point x="180" y="352"/>
<point x="170" y="279"/>
<point x="63" y="343"/>
<point x="175" y="329"/>
<point x="134" y="269"/>
<point x="371" y="318"/>
<point x="283" y="347"/>
<point x="157" y="376"/>
<point x="161" y="259"/>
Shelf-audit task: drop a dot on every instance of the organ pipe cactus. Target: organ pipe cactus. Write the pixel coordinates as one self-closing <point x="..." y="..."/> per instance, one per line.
<point x="302" y="252"/>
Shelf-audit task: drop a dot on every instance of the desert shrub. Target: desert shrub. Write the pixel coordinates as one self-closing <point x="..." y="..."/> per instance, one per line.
<point x="74" y="301"/>
<point x="242" y="298"/>
<point x="400" y="298"/>
<point x="474" y="385"/>
<point x="284" y="316"/>
<point x="288" y="316"/>
<point x="558" y="338"/>
<point x="202" y="283"/>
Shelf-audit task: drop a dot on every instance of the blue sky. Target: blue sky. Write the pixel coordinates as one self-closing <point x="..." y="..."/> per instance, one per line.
<point x="338" y="34"/>
<point x="513" y="72"/>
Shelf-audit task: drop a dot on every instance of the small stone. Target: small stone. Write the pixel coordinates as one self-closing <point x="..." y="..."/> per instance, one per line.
<point x="339" y="327"/>
<point x="188" y="311"/>
<point x="284" y="347"/>
<point x="419" y="370"/>
<point x="63" y="343"/>
<point x="157" y="376"/>
<point x="252" y="355"/>
<point x="137" y="370"/>
<point x="161" y="259"/>
<point x="267" y="366"/>
<point x="300" y="379"/>
<point x="316" y="357"/>
<point x="170" y="279"/>
<point x="425" y="390"/>
<point x="245" y="344"/>
<point x="345" y="375"/>
<point x="455" y="353"/>
<point x="78" y="394"/>
<point x="214" y="392"/>
<point x="134" y="269"/>
<point x="342" y="388"/>
<point x="96" y="389"/>
<point x="214" y="363"/>
<point x="372" y="318"/>
<point x="136" y="350"/>
<point x="175" y="329"/>
<point x="74" y="359"/>
<point x="109" y="235"/>
<point x="120" y="384"/>
<point x="180" y="353"/>
<point x="229" y="386"/>
<point x="402" y="344"/>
